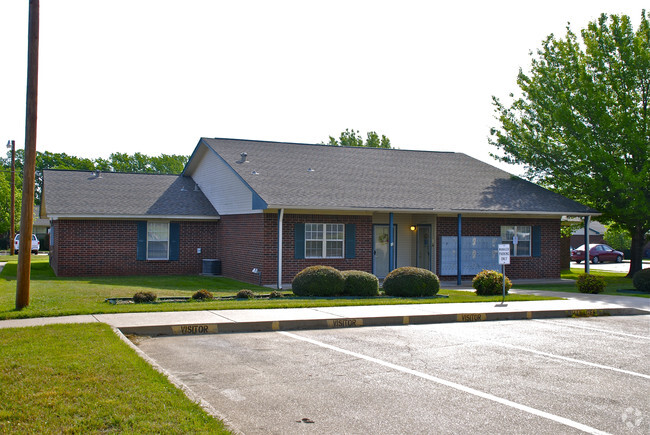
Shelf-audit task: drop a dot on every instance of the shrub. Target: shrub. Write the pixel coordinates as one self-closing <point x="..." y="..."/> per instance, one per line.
<point x="641" y="280"/>
<point x="490" y="283"/>
<point x="321" y="281"/>
<point x="245" y="294"/>
<point x="411" y="282"/>
<point x="275" y="294"/>
<point x="590" y="283"/>
<point x="202" y="295"/>
<point x="142" y="297"/>
<point x="359" y="283"/>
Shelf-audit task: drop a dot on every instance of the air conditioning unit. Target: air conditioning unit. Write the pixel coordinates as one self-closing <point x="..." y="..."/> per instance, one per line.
<point x="211" y="267"/>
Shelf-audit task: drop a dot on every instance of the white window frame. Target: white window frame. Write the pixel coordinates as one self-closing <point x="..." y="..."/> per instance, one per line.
<point x="150" y="224"/>
<point x="518" y="229"/>
<point x="324" y="240"/>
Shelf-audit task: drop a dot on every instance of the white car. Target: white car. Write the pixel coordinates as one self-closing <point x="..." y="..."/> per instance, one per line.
<point x="36" y="245"/>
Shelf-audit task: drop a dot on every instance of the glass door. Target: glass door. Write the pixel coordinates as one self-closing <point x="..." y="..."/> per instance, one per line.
<point x="423" y="250"/>
<point x="380" y="249"/>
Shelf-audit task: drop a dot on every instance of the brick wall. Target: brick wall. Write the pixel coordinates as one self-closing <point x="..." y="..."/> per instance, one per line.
<point x="244" y="242"/>
<point x="545" y="266"/>
<point x="363" y="244"/>
<point x="108" y="247"/>
<point x="251" y="241"/>
<point x="241" y="246"/>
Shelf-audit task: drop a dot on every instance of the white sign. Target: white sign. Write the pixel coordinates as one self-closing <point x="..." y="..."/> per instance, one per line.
<point x="504" y="254"/>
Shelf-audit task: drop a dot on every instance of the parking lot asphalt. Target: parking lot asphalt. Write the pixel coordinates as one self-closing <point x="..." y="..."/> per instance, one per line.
<point x="578" y="375"/>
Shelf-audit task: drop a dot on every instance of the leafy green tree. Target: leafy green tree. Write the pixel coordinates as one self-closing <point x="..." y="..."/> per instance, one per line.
<point x="374" y="141"/>
<point x="163" y="164"/>
<point x="352" y="138"/>
<point x="169" y="164"/>
<point x="5" y="200"/>
<point x="581" y="125"/>
<point x="618" y="238"/>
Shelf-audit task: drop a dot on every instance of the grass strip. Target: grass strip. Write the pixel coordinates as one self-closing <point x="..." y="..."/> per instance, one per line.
<point x="614" y="281"/>
<point x="83" y="378"/>
<point x="60" y="296"/>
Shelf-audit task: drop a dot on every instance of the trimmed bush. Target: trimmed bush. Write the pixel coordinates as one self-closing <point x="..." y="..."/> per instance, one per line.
<point x="324" y="281"/>
<point x="202" y="295"/>
<point x="641" y="280"/>
<point x="245" y="294"/>
<point x="411" y="282"/>
<point x="275" y="294"/>
<point x="590" y="283"/>
<point x="359" y="283"/>
<point x="490" y="283"/>
<point x="142" y="297"/>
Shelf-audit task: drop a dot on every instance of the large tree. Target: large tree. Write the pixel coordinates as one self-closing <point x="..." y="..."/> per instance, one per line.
<point x="352" y="138"/>
<point x="580" y="125"/>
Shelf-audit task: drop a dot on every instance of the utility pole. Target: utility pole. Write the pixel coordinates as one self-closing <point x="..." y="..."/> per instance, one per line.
<point x="29" y="165"/>
<point x="12" y="144"/>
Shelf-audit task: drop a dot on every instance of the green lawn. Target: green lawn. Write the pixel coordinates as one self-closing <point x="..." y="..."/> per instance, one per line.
<point x="52" y="296"/>
<point x="614" y="280"/>
<point x="84" y="379"/>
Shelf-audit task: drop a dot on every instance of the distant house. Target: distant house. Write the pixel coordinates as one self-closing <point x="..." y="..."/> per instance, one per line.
<point x="596" y="234"/>
<point x="279" y="207"/>
<point x="41" y="228"/>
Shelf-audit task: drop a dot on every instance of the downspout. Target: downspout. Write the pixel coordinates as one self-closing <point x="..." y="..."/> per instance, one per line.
<point x="391" y="238"/>
<point x="280" y="220"/>
<point x="459" y="248"/>
<point x="587" y="244"/>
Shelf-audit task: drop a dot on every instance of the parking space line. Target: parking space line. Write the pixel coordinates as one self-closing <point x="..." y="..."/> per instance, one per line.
<point x="459" y="387"/>
<point x="624" y="334"/>
<point x="566" y="358"/>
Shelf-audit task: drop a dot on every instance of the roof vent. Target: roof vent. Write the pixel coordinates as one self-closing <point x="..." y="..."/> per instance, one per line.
<point x="255" y="173"/>
<point x="310" y="170"/>
<point x="97" y="174"/>
<point x="243" y="159"/>
<point x="183" y="189"/>
<point x="196" y="187"/>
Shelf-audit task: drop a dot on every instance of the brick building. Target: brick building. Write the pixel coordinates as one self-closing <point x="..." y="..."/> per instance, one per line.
<point x="279" y="207"/>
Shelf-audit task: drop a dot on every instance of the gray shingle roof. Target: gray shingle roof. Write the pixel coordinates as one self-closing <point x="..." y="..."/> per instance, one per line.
<point x="81" y="193"/>
<point x="370" y="178"/>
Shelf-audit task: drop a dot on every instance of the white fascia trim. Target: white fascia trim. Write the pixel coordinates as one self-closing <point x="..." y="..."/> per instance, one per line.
<point x="433" y="211"/>
<point x="131" y="217"/>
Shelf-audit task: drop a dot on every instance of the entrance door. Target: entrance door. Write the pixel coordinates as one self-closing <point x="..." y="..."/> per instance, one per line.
<point x="423" y="250"/>
<point x="380" y="249"/>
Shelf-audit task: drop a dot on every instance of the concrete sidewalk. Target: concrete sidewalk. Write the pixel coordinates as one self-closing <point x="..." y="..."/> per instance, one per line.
<point x="222" y="321"/>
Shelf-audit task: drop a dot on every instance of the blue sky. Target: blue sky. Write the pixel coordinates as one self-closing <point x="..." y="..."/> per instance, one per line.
<point x="155" y="76"/>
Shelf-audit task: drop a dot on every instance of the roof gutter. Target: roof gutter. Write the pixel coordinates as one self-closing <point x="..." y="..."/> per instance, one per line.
<point x="434" y="211"/>
<point x="53" y="216"/>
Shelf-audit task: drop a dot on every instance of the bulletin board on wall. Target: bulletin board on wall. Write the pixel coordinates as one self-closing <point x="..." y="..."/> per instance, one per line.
<point x="477" y="254"/>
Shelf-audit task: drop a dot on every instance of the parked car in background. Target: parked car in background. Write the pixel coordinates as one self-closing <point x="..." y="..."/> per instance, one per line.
<point x="598" y="253"/>
<point x="36" y="245"/>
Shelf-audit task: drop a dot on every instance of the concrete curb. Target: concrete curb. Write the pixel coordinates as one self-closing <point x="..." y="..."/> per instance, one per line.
<point x="297" y="324"/>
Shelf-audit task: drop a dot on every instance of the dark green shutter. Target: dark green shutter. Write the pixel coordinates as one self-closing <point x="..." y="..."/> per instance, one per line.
<point x="141" y="252"/>
<point x="299" y="241"/>
<point x="537" y="241"/>
<point x="350" y="240"/>
<point x="174" y="240"/>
